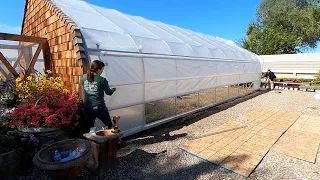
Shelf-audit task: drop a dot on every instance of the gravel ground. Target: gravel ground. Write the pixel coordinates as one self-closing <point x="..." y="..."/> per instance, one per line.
<point x="154" y="154"/>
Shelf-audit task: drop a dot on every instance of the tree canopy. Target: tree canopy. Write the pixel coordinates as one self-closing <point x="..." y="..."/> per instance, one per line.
<point x="284" y="27"/>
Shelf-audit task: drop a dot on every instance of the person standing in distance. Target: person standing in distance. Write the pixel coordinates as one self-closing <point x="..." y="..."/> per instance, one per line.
<point x="94" y="86"/>
<point x="270" y="78"/>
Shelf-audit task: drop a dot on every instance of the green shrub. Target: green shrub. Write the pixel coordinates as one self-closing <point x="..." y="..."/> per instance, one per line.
<point x="317" y="79"/>
<point x="300" y="80"/>
<point x="314" y="86"/>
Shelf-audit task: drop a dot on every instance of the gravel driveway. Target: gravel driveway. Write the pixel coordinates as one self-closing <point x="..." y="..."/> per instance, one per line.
<point x="154" y="154"/>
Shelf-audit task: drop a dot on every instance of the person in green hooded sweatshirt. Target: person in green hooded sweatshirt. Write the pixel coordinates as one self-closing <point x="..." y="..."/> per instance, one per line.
<point x="94" y="86"/>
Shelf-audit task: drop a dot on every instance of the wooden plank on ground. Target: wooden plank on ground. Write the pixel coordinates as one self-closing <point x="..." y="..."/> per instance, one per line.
<point x="298" y="144"/>
<point x="302" y="139"/>
<point x="242" y="149"/>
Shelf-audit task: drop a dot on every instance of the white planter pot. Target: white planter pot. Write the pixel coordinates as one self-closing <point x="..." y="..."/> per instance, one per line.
<point x="296" y="89"/>
<point x="47" y="135"/>
<point x="39" y="130"/>
<point x="291" y="89"/>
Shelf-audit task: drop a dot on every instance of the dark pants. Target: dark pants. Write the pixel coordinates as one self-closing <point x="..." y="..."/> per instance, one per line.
<point x="93" y="112"/>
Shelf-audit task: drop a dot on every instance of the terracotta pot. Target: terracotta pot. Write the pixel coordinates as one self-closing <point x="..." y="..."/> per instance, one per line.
<point x="9" y="163"/>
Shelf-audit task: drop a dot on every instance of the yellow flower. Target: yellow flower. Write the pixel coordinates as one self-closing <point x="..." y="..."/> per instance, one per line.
<point x="18" y="79"/>
<point x="21" y="96"/>
<point x="12" y="126"/>
<point x="4" y="123"/>
<point x="60" y="85"/>
<point x="51" y="79"/>
<point x="29" y="78"/>
<point x="65" y="90"/>
<point x="44" y="75"/>
<point x="19" y="87"/>
<point x="49" y="72"/>
<point x="58" y="79"/>
<point x="40" y="88"/>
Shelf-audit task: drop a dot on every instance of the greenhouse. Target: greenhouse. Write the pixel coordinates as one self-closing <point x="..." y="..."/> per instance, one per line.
<point x="183" y="104"/>
<point x="160" y="71"/>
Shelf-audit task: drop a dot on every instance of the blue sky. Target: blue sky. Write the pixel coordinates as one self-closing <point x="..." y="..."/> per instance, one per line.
<point x="227" y="19"/>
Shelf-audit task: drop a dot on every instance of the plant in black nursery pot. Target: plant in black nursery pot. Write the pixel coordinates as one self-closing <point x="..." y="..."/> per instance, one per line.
<point x="29" y="145"/>
<point x="8" y="95"/>
<point x="17" y="149"/>
<point x="9" y="155"/>
<point x="9" y="141"/>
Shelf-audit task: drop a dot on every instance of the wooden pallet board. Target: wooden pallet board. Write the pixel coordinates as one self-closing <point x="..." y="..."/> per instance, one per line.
<point x="302" y="139"/>
<point x="307" y="123"/>
<point x="239" y="146"/>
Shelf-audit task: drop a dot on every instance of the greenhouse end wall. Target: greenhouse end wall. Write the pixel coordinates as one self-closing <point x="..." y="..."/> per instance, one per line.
<point x="152" y="90"/>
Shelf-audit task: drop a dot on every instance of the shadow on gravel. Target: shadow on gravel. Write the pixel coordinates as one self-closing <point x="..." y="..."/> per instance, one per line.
<point x="161" y="133"/>
<point x="143" y="165"/>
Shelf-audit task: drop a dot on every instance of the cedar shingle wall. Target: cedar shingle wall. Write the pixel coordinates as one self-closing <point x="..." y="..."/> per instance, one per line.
<point x="40" y="21"/>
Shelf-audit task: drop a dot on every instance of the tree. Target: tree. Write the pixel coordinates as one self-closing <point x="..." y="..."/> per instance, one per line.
<point x="284" y="27"/>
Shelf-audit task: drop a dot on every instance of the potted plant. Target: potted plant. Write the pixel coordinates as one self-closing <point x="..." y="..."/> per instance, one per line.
<point x="9" y="156"/>
<point x="12" y="139"/>
<point x="47" y="109"/>
<point x="28" y="147"/>
<point x="8" y="96"/>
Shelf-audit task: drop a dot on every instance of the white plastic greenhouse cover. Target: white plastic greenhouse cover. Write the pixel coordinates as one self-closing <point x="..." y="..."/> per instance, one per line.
<point x="149" y="60"/>
<point x="116" y="31"/>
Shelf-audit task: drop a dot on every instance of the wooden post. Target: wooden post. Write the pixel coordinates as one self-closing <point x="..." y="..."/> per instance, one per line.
<point x="5" y="46"/>
<point x="8" y="66"/>
<point x="25" y="55"/>
<point x="34" y="59"/>
<point x="18" y="60"/>
<point x="14" y="37"/>
<point x="104" y="154"/>
<point x="46" y="56"/>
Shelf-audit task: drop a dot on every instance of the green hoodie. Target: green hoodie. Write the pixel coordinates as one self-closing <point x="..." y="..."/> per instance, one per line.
<point x="94" y="92"/>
